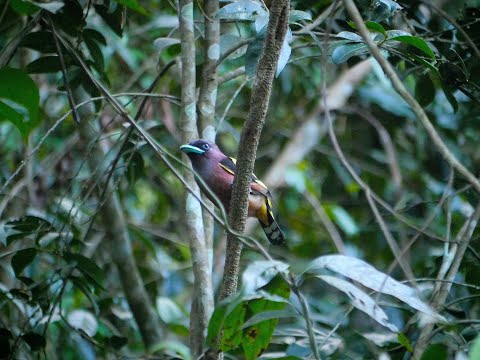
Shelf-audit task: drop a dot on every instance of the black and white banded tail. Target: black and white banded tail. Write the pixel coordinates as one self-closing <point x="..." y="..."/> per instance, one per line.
<point x="272" y="230"/>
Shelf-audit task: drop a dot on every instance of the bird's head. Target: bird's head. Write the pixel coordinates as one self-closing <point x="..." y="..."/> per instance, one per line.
<point x="203" y="154"/>
<point x="197" y="147"/>
<point x="201" y="149"/>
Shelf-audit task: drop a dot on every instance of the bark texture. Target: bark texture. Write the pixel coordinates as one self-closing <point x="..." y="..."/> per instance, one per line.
<point x="202" y="301"/>
<point x="266" y="68"/>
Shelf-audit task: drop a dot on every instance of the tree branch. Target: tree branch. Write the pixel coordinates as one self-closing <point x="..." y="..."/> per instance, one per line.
<point x="443" y="284"/>
<point x="117" y="234"/>
<point x="207" y="100"/>
<point x="266" y="68"/>
<point x="202" y="303"/>
<point x="403" y="92"/>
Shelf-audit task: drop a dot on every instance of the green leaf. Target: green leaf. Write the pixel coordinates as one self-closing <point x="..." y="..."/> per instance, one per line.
<point x="45" y="64"/>
<point x="34" y="340"/>
<point x="22" y="259"/>
<point x="435" y="352"/>
<point x="232" y="328"/>
<point x="116" y="342"/>
<point x="426" y="64"/>
<point x="268" y="315"/>
<point x="114" y="19"/>
<point x="5" y="347"/>
<point x="94" y="35"/>
<point x="172" y="346"/>
<point x="424" y="90"/>
<point x="95" y="54"/>
<point x="26" y="226"/>
<point x="41" y="41"/>
<point x="23" y="7"/>
<point x="135" y="167"/>
<point x="344" y="52"/>
<point x="256" y="337"/>
<point x="403" y="340"/>
<point x="414" y="41"/>
<point x="475" y="350"/>
<point x="373" y="26"/>
<point x="297" y="15"/>
<point x="81" y="284"/>
<point x="220" y="313"/>
<point x="19" y="100"/>
<point x="450" y="97"/>
<point x="134" y="5"/>
<point x="86" y="266"/>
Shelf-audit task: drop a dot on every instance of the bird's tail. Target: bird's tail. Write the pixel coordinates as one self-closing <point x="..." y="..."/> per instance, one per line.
<point x="272" y="230"/>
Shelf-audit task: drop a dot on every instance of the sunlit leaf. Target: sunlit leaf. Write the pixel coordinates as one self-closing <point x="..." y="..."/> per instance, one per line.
<point x="297" y="15"/>
<point x="367" y="275"/>
<point x="260" y="273"/>
<point x="169" y="312"/>
<point x="83" y="320"/>
<point x="344" y="52"/>
<point x="51" y="6"/>
<point x="285" y="53"/>
<point x="350" y="36"/>
<point x="344" y="220"/>
<point x="229" y="41"/>
<point x="360" y="300"/>
<point x="241" y="10"/>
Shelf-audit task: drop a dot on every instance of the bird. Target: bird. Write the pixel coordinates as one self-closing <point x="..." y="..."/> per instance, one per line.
<point x="218" y="170"/>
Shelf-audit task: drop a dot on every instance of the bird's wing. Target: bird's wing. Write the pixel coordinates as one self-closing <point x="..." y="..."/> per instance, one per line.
<point x="230" y="165"/>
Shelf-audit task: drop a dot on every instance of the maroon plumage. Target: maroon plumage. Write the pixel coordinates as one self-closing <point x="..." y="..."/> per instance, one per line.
<point x="217" y="171"/>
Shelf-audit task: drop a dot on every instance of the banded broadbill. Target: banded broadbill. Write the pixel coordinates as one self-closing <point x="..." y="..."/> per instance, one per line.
<point x="218" y="170"/>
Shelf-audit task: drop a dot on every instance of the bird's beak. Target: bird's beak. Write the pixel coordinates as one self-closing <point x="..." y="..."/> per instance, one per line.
<point x="191" y="149"/>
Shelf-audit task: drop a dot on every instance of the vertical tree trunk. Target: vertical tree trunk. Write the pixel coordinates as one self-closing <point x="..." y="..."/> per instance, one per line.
<point x="116" y="234"/>
<point x="202" y="301"/>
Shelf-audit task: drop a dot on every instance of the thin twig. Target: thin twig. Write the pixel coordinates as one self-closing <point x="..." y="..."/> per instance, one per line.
<point x="403" y="92"/>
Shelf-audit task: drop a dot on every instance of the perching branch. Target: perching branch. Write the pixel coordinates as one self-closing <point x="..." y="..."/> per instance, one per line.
<point x="202" y="303"/>
<point x="266" y="68"/>
<point x="403" y="92"/>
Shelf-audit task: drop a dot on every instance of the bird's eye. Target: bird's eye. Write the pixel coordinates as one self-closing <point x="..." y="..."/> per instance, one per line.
<point x="206" y="146"/>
